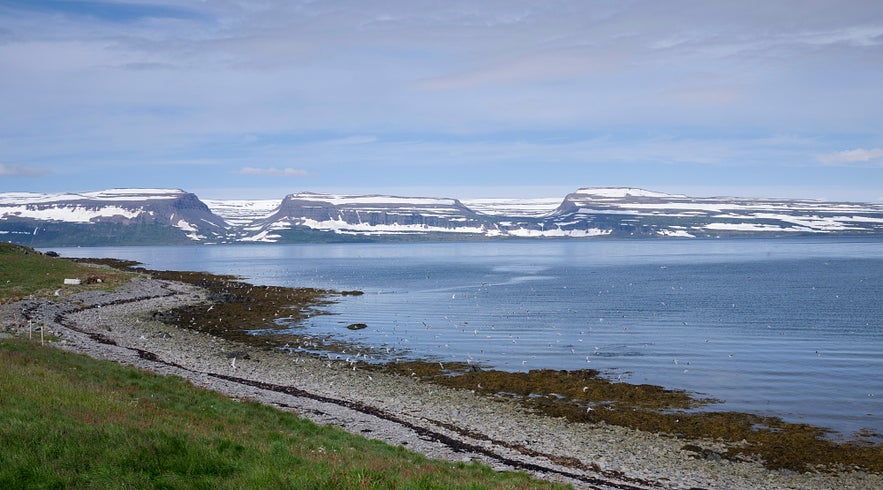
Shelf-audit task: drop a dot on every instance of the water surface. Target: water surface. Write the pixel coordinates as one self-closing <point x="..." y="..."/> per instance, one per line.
<point x="789" y="327"/>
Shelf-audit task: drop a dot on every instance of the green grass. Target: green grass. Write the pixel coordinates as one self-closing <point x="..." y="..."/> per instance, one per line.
<point x="69" y="421"/>
<point x="25" y="272"/>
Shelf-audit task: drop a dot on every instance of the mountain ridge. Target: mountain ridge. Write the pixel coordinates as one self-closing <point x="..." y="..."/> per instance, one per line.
<point x="174" y="216"/>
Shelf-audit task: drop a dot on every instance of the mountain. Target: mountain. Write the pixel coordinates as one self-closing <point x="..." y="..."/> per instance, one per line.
<point x="110" y="217"/>
<point x="587" y="212"/>
<point x="637" y="212"/>
<point x="173" y="216"/>
<point x="300" y="216"/>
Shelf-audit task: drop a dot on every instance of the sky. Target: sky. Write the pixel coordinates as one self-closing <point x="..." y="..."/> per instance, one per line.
<point x="256" y="99"/>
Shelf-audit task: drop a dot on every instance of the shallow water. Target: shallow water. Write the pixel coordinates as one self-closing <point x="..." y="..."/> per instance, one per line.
<point x="789" y="327"/>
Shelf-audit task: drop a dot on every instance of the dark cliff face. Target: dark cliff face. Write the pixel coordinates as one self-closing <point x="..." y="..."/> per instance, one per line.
<point x="190" y="208"/>
<point x="296" y="207"/>
<point x="568" y="205"/>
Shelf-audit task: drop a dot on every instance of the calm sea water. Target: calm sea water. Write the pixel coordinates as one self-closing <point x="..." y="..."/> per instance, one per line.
<point x="790" y="327"/>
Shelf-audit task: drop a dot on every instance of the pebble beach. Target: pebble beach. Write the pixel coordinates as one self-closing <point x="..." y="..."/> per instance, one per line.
<point x="437" y="421"/>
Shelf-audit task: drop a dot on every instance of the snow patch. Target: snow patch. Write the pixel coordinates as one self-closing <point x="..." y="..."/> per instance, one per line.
<point x="71" y="214"/>
<point x="342" y="227"/>
<point x="349" y="200"/>
<point x="243" y="212"/>
<point x="752" y="227"/>
<point x="675" y="233"/>
<point x="623" y="192"/>
<point x="534" y="208"/>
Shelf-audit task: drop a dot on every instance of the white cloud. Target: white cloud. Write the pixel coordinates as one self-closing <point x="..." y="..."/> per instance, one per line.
<point x="857" y="36"/>
<point x="561" y="64"/>
<point x="19" y="171"/>
<point x="275" y="172"/>
<point x="859" y="155"/>
<point x="428" y="84"/>
<point x="353" y="140"/>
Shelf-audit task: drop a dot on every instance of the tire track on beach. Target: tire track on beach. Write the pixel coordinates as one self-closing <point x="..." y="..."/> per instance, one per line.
<point x="458" y="445"/>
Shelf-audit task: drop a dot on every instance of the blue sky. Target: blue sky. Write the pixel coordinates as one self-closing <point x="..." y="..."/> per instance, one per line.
<point x="240" y="99"/>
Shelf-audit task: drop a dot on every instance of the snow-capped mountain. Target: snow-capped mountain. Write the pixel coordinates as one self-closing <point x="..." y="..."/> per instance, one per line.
<point x="114" y="216"/>
<point x="636" y="212"/>
<point x="366" y="215"/>
<point x="161" y="216"/>
<point x="588" y="212"/>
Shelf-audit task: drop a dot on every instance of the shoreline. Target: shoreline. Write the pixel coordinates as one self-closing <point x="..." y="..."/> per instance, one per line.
<point x="441" y="422"/>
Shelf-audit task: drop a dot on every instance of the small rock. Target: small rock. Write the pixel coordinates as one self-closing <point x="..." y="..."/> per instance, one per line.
<point x="238" y="354"/>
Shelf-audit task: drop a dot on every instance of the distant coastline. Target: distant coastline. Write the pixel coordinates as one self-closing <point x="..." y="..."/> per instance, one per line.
<point x="175" y="216"/>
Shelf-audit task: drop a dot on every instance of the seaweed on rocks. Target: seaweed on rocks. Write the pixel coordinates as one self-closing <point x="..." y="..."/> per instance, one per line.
<point x="584" y="396"/>
<point x="237" y="309"/>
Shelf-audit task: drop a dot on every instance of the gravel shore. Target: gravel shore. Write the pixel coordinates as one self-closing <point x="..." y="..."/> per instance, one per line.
<point x="440" y="422"/>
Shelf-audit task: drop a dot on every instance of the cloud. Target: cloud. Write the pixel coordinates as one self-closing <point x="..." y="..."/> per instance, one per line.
<point x="353" y="140"/>
<point x="859" y="155"/>
<point x="424" y="85"/>
<point x="19" y="171"/>
<point x="556" y="65"/>
<point x="275" y="172"/>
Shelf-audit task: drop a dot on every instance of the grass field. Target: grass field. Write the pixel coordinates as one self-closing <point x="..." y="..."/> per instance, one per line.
<point x="70" y="421"/>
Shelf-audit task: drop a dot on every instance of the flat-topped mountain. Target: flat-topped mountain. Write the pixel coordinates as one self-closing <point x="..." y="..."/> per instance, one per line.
<point x="637" y="212"/>
<point x="109" y="217"/>
<point x="168" y="216"/>
<point x="366" y="215"/>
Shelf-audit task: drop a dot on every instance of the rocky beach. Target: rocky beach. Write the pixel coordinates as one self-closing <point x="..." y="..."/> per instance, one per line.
<point x="456" y="424"/>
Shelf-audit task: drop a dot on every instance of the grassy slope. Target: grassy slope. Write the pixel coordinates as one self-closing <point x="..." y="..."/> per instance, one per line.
<point x="72" y="421"/>
<point x="24" y="272"/>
